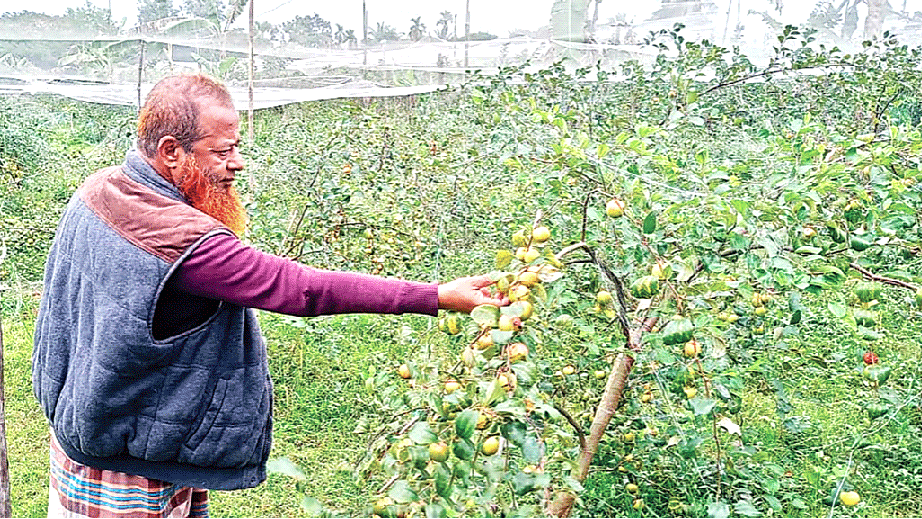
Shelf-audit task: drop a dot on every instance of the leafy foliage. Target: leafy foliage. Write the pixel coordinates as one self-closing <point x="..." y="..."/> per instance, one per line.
<point x="755" y="203"/>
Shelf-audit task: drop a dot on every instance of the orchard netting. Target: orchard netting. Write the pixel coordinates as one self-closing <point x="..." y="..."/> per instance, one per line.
<point x="377" y="48"/>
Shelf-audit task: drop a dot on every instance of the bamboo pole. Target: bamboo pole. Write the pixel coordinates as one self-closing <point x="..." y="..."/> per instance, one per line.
<point x="467" y="29"/>
<point x="140" y="71"/>
<point x="252" y="72"/>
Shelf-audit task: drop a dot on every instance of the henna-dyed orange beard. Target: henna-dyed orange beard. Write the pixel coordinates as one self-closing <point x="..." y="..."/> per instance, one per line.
<point x="220" y="201"/>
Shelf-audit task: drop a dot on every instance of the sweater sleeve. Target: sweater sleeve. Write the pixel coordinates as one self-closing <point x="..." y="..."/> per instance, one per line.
<point x="222" y="267"/>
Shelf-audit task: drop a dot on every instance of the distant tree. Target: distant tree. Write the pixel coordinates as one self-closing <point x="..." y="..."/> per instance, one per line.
<point x="28" y="24"/>
<point x="213" y="10"/>
<point x="342" y="35"/>
<point x="384" y="32"/>
<point x="446" y="18"/>
<point x="339" y="35"/>
<point x="418" y="29"/>
<point x="351" y="39"/>
<point x="152" y="10"/>
<point x="310" y="31"/>
<point x="90" y="18"/>
<point x="481" y="36"/>
<point x="235" y="9"/>
<point x="874" y="23"/>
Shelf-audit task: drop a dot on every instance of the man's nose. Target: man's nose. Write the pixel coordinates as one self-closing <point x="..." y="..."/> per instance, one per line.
<point x="235" y="162"/>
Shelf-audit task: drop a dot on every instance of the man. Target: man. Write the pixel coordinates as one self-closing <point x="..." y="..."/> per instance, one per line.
<point x="148" y="359"/>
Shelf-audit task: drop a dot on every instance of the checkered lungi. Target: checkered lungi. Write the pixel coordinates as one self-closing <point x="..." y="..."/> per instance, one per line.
<point x="80" y="491"/>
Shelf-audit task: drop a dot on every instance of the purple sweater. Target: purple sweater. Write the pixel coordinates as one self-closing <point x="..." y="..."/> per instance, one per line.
<point x="224" y="268"/>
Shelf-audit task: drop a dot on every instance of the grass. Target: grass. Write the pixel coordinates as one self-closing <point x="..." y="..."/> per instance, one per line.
<point x="26" y="429"/>
<point x="318" y="369"/>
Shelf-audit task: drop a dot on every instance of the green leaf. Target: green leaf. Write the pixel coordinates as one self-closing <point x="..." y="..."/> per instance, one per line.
<point x="808" y="249"/>
<point x="501" y="337"/>
<point x="435" y="510"/>
<point x="573" y="484"/>
<point x="649" y="223"/>
<point x="463" y="449"/>
<point x="419" y="455"/>
<point x="516" y="309"/>
<point x="877" y="373"/>
<point x="837" y="310"/>
<point x="486" y="315"/>
<point x="465" y="423"/>
<point x="514" y="432"/>
<point x="869" y="334"/>
<point x="718" y="509"/>
<point x="746" y="509"/>
<point x="877" y="409"/>
<point x="285" y="467"/>
<point x="312" y="507"/>
<point x="494" y="393"/>
<point x="421" y="434"/>
<point x="702" y="406"/>
<point x="532" y="449"/>
<point x="442" y="481"/>
<point x="402" y="493"/>
<point x="523" y="483"/>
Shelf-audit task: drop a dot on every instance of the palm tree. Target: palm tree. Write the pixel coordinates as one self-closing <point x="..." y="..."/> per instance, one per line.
<point x="339" y="36"/>
<point x="418" y="29"/>
<point x="350" y="38"/>
<point x="446" y="18"/>
<point x="384" y="32"/>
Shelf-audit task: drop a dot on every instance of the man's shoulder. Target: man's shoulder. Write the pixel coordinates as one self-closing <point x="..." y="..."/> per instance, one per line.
<point x="159" y="224"/>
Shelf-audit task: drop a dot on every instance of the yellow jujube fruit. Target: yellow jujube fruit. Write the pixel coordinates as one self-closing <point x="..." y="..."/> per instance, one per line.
<point x="490" y="445"/>
<point x="850" y="498"/>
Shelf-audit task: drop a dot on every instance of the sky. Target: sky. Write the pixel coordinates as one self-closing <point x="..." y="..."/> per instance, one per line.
<point x="497" y="17"/>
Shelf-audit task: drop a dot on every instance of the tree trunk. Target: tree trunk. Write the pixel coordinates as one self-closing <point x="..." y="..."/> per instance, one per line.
<point x="874" y="23"/>
<point x="562" y="505"/>
<point x="6" y="506"/>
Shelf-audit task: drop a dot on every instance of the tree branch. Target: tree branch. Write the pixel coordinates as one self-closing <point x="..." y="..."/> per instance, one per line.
<point x="889" y="281"/>
<point x="576" y="426"/>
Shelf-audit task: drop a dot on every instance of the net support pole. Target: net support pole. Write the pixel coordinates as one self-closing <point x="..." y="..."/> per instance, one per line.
<point x="251" y="74"/>
<point x="140" y="70"/>
<point x="467" y="29"/>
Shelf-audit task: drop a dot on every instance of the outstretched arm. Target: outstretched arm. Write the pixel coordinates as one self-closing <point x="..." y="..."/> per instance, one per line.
<point x="464" y="294"/>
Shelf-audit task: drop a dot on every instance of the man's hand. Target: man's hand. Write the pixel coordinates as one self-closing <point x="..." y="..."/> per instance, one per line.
<point x="464" y="294"/>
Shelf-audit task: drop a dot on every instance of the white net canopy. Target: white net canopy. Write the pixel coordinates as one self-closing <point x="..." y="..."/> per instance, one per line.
<point x="286" y="51"/>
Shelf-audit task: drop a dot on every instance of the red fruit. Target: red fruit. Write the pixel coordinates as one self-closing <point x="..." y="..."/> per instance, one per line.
<point x="871" y="358"/>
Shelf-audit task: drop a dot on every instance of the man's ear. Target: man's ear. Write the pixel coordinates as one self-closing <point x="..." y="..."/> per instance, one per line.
<point x="170" y="152"/>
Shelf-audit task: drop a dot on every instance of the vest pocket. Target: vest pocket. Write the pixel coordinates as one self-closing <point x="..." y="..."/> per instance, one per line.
<point x="233" y="432"/>
<point x="206" y="423"/>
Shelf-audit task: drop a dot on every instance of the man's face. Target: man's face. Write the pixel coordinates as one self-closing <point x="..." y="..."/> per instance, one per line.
<point x="206" y="176"/>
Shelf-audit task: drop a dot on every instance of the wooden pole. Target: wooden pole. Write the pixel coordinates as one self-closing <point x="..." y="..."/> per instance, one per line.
<point x="467" y="29"/>
<point x="6" y="506"/>
<point x="140" y="72"/>
<point x="364" y="37"/>
<point x="252" y="71"/>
